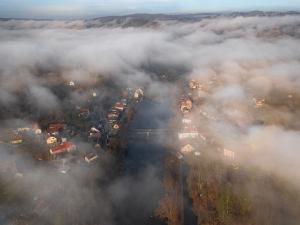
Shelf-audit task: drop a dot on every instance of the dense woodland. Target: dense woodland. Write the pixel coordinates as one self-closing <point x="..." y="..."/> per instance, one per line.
<point x="226" y="194"/>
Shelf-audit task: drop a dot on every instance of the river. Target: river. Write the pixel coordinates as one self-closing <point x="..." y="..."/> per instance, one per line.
<point x="143" y="165"/>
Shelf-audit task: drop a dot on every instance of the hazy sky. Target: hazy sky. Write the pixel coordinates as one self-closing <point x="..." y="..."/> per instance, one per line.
<point x="91" y="8"/>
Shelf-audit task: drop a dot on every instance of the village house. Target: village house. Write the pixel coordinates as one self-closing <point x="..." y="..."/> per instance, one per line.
<point x="55" y="128"/>
<point x="185" y="104"/>
<point x="91" y="157"/>
<point x="119" y="106"/>
<point x="94" y="133"/>
<point x="114" y="129"/>
<point x="113" y="115"/>
<point x="51" y="140"/>
<point x="83" y="112"/>
<point x="23" y="129"/>
<point x="188" y="148"/>
<point x="138" y="94"/>
<point x="193" y="84"/>
<point x="16" y="139"/>
<point x="186" y="120"/>
<point x="116" y="126"/>
<point x="62" y="148"/>
<point x="188" y="132"/>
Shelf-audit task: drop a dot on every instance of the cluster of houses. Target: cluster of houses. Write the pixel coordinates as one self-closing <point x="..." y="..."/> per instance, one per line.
<point x="197" y="91"/>
<point x="201" y="90"/>
<point x="58" y="138"/>
<point x="186" y="104"/>
<point x="188" y="135"/>
<point x="115" y="115"/>
<point x="17" y="136"/>
<point x="60" y="142"/>
<point x="60" y="147"/>
<point x="55" y="139"/>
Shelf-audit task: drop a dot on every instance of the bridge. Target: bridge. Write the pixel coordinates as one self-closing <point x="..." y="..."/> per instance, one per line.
<point x="147" y="134"/>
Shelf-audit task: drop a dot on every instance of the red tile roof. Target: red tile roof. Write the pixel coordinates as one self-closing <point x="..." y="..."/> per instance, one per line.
<point x="64" y="147"/>
<point x="119" y="105"/>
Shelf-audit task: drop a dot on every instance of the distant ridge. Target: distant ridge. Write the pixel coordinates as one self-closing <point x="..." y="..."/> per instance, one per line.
<point x="184" y="16"/>
<point x="139" y="20"/>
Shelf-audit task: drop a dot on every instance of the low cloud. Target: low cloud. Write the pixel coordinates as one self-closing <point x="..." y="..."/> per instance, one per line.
<point x="247" y="57"/>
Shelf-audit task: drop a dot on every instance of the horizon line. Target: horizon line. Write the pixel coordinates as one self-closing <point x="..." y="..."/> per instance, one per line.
<point x="150" y="13"/>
